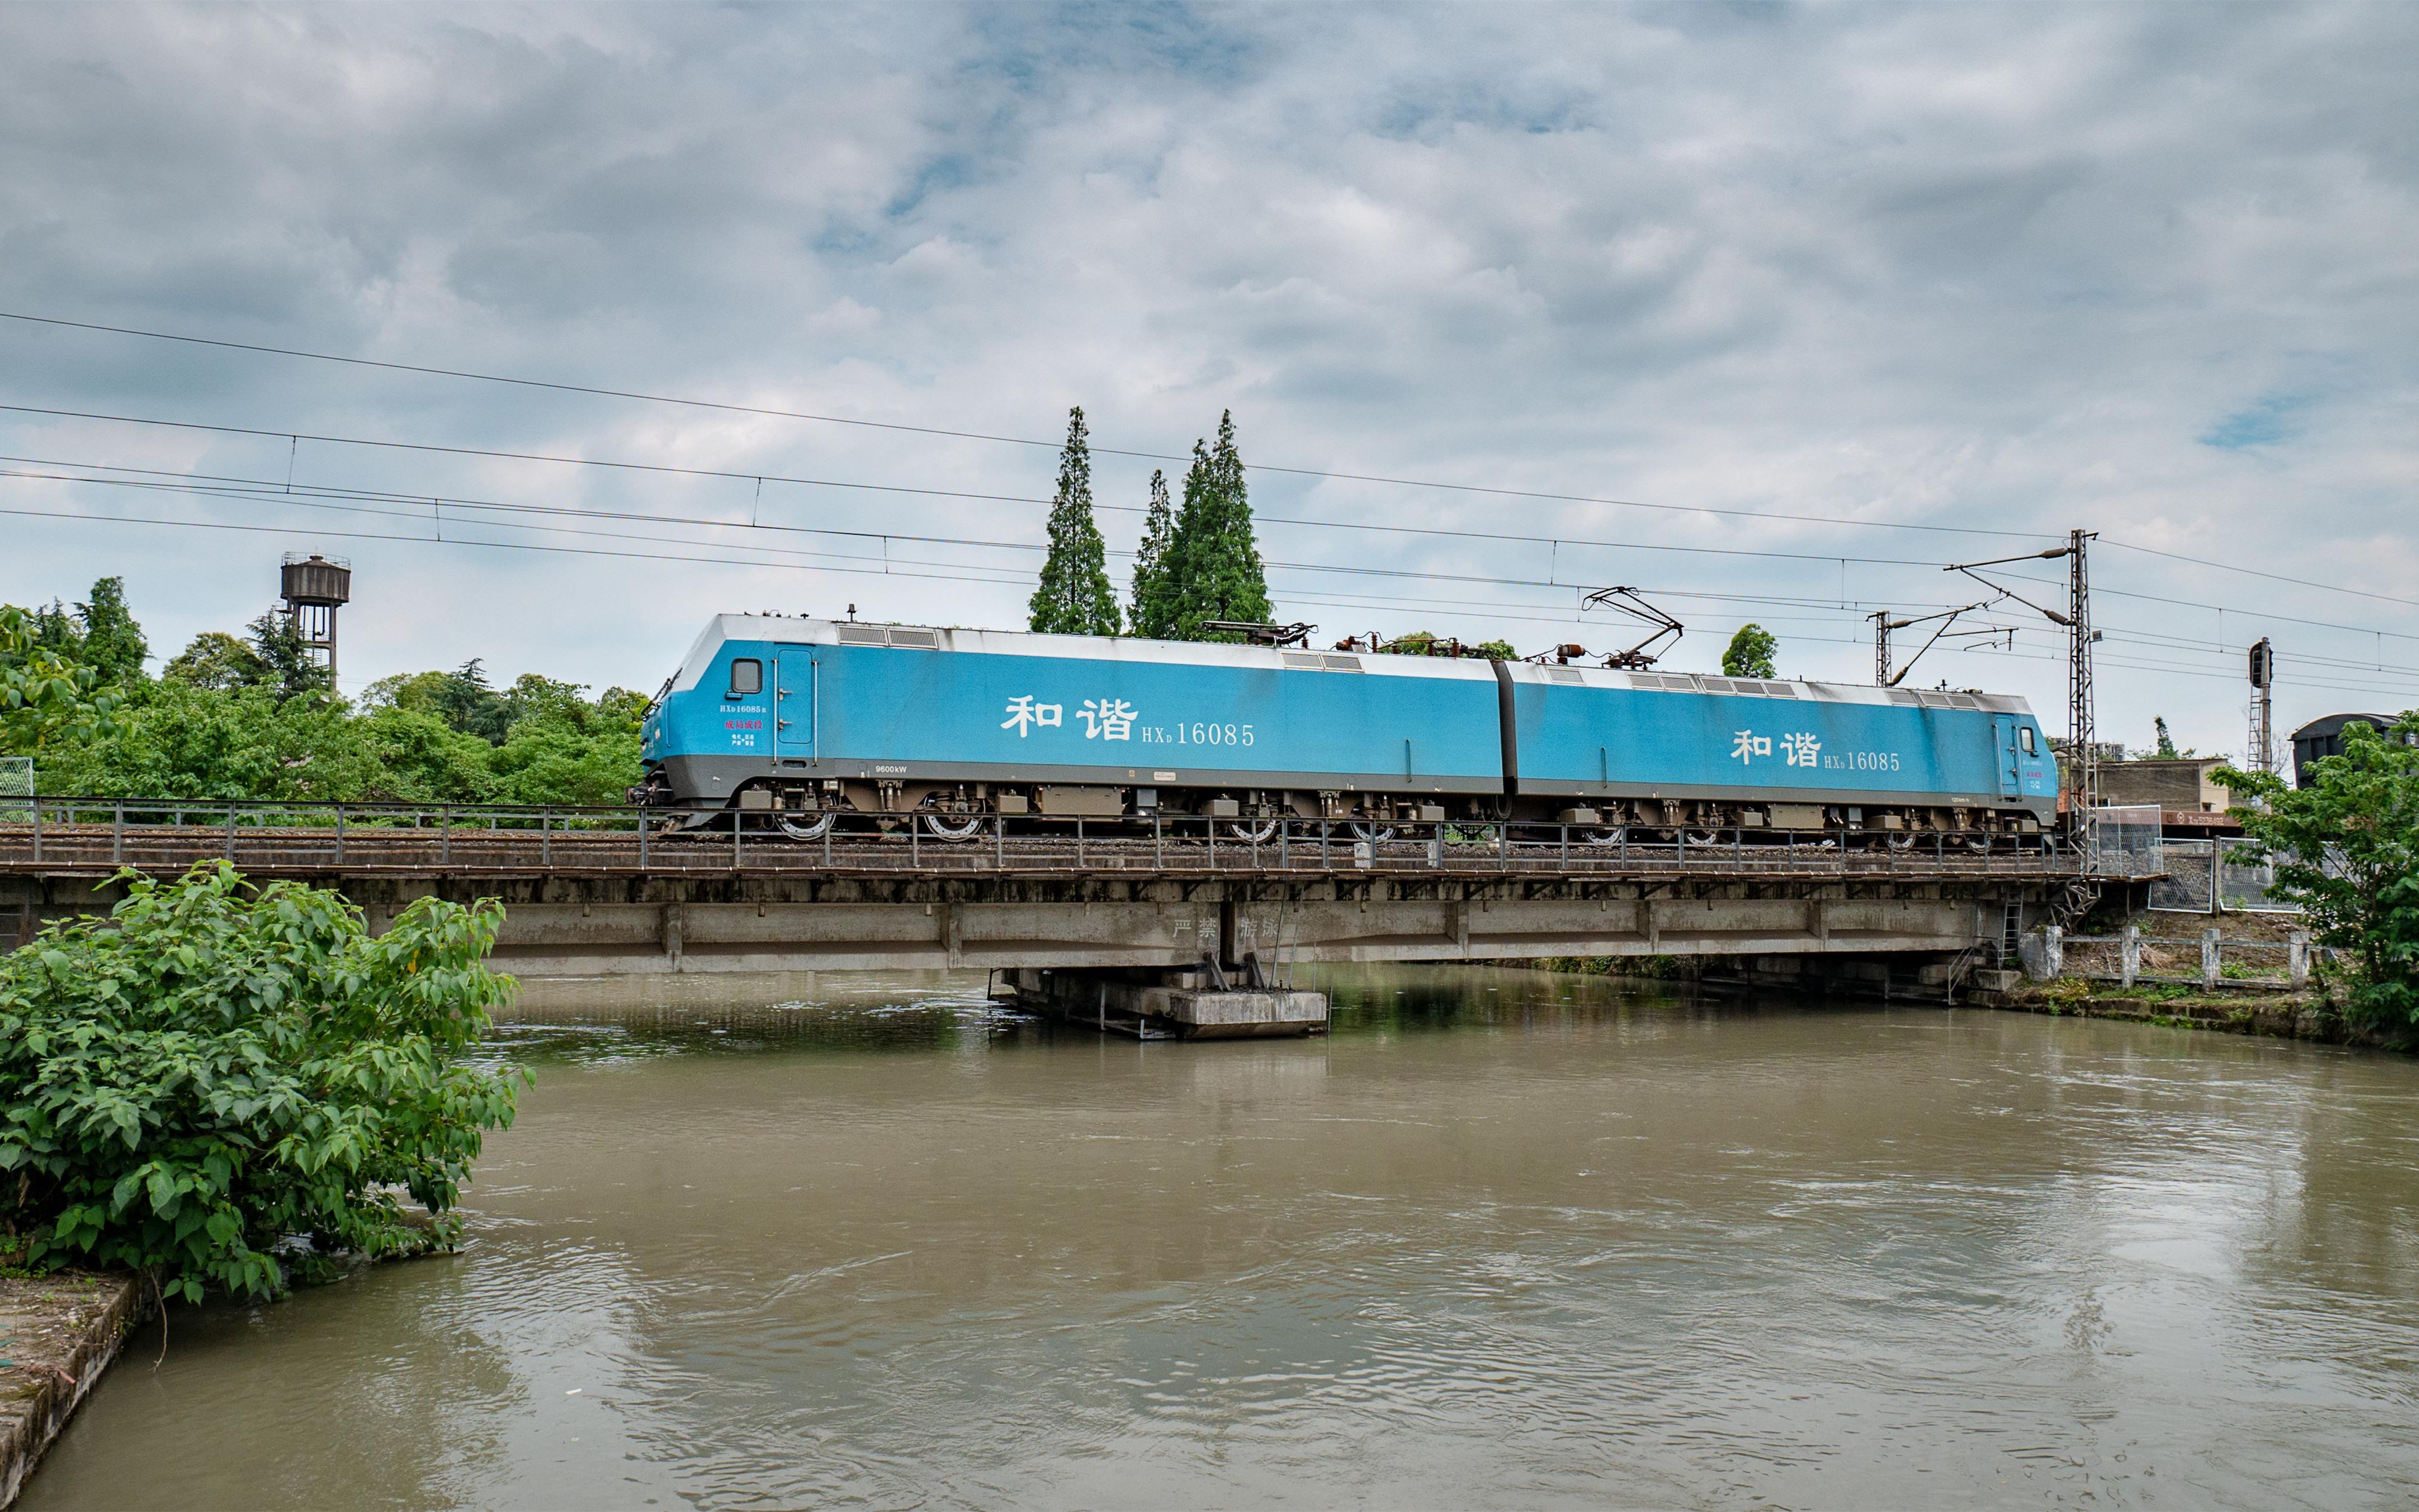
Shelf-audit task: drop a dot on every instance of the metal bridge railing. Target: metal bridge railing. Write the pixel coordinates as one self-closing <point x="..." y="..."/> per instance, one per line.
<point x="57" y="834"/>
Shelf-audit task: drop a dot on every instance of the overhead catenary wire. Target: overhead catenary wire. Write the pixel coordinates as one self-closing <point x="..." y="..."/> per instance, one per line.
<point x="1553" y="542"/>
<point x="910" y="568"/>
<point x="218" y="486"/>
<point x="1163" y="456"/>
<point x="1505" y="536"/>
<point x="986" y="436"/>
<point x="761" y="477"/>
<point x="223" y="486"/>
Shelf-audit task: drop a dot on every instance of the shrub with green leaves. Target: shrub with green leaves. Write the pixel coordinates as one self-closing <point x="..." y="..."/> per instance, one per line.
<point x="229" y="1085"/>
<point x="2347" y="850"/>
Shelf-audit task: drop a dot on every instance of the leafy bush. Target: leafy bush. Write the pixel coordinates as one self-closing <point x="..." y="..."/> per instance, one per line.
<point x="227" y="1086"/>
<point x="45" y="693"/>
<point x="2347" y="850"/>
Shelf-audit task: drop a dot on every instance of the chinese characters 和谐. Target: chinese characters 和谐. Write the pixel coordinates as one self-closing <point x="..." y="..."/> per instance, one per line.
<point x="1800" y="748"/>
<point x="1103" y="718"/>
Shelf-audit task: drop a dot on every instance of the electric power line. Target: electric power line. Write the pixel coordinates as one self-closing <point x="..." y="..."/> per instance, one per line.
<point x="984" y="435"/>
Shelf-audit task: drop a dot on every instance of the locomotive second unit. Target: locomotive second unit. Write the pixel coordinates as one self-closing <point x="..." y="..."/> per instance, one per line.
<point x="813" y="722"/>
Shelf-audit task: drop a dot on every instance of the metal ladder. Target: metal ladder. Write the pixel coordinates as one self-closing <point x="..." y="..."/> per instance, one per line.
<point x="2011" y="930"/>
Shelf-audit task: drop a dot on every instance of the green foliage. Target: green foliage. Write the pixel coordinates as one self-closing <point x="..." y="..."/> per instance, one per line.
<point x="272" y="654"/>
<point x="2165" y="744"/>
<point x="1751" y="652"/>
<point x="46" y="694"/>
<point x="231" y="719"/>
<point x="225" y="1086"/>
<point x="216" y="660"/>
<point x="112" y="643"/>
<point x="287" y="662"/>
<point x="1074" y="596"/>
<point x="1153" y="613"/>
<point x="1427" y="644"/>
<point x="2347" y="850"/>
<point x="1213" y="566"/>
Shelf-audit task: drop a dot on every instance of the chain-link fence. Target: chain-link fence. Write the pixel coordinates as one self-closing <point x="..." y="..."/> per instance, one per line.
<point x="2124" y="841"/>
<point x="2206" y="876"/>
<point x="16" y="783"/>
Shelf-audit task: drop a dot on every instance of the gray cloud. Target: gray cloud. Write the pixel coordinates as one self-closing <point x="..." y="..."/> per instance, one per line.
<point x="2142" y="268"/>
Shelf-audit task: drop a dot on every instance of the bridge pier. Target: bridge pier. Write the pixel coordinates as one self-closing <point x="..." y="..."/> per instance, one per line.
<point x="1169" y="1005"/>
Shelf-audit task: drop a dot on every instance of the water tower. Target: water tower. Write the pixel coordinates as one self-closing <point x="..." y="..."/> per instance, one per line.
<point x="315" y="587"/>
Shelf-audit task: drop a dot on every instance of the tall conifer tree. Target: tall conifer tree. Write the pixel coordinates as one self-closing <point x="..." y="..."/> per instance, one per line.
<point x="1075" y="597"/>
<point x="113" y="641"/>
<point x="1214" y="563"/>
<point x="1152" y="614"/>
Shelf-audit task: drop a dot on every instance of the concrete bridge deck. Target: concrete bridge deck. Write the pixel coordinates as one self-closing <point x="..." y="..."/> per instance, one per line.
<point x="586" y="899"/>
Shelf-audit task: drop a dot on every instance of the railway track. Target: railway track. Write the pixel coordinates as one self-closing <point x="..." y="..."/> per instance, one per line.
<point x="70" y="838"/>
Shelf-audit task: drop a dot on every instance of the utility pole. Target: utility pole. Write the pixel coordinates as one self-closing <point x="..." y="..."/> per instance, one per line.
<point x="1882" y="627"/>
<point x="2264" y="728"/>
<point x="2081" y="722"/>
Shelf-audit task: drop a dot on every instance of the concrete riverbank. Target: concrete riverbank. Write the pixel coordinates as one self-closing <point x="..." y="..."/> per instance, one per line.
<point x="59" y="1335"/>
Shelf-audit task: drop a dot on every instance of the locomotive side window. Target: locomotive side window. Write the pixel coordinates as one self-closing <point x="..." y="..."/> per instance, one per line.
<point x="746" y="676"/>
<point x="2024" y="735"/>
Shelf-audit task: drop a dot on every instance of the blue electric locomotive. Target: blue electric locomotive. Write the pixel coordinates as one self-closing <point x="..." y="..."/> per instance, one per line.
<point x="814" y="721"/>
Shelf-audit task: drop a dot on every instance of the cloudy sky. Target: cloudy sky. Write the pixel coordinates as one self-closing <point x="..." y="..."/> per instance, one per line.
<point x="1769" y="311"/>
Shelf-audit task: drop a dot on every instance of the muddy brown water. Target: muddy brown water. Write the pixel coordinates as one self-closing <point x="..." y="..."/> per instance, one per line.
<point x="1505" y="1238"/>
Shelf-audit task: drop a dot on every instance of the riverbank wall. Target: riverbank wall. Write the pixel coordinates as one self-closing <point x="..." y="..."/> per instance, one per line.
<point x="58" y="1336"/>
<point x="2312" y="1012"/>
<point x="2314" y="1015"/>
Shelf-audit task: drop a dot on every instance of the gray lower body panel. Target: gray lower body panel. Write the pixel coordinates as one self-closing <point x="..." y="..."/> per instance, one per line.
<point x="712" y="779"/>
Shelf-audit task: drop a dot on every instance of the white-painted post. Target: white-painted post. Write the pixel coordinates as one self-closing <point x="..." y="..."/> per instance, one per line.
<point x="2208" y="958"/>
<point x="2053" y="951"/>
<point x="2129" y="953"/>
<point x="2297" y="957"/>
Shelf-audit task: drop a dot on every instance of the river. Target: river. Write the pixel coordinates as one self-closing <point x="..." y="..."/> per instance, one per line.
<point x="1503" y="1239"/>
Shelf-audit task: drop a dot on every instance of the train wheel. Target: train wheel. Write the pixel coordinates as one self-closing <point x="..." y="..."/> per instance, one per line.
<point x="1702" y="838"/>
<point x="1603" y="836"/>
<point x="1253" y="831"/>
<point x="954" y="828"/>
<point x="1366" y="829"/>
<point x="1470" y="835"/>
<point x="812" y="828"/>
<point x="1901" y="841"/>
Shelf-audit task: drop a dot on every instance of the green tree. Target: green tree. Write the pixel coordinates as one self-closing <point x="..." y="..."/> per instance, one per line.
<point x="1751" y="652"/>
<point x="215" y="659"/>
<point x="465" y="701"/>
<point x="1153" y="613"/>
<point x="1075" y="597"/>
<point x="57" y="630"/>
<point x="289" y="666"/>
<point x="46" y="694"/>
<point x="1213" y="560"/>
<point x="216" y="1072"/>
<point x="2347" y="850"/>
<point x="113" y="645"/>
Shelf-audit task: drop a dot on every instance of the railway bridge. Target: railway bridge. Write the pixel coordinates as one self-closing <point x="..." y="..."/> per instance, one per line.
<point x="622" y="891"/>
